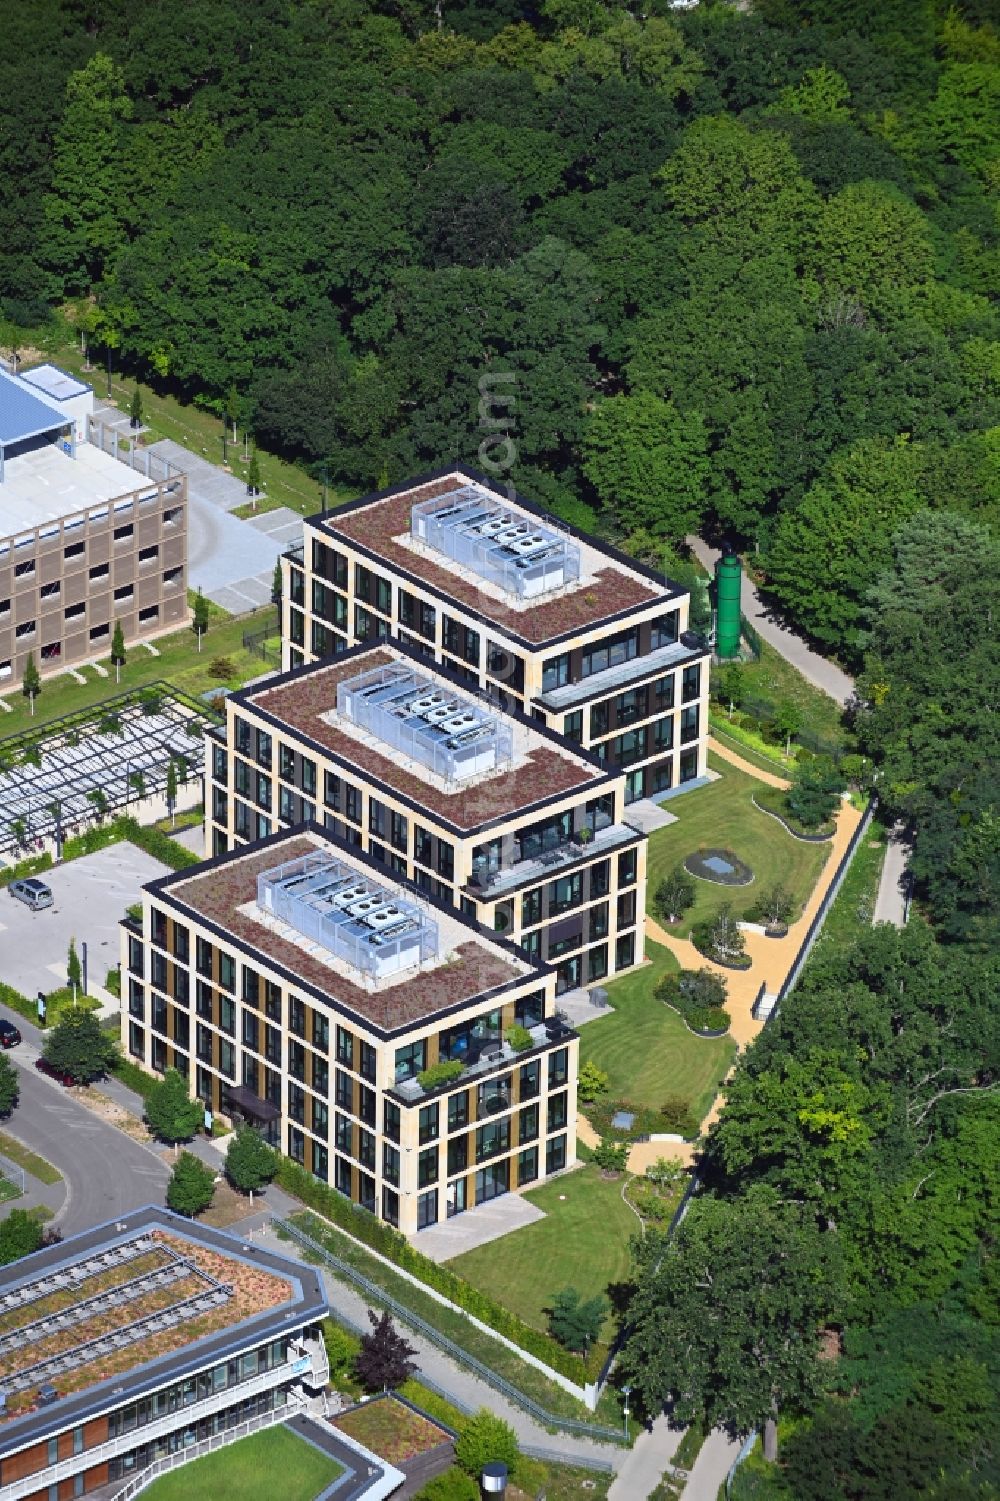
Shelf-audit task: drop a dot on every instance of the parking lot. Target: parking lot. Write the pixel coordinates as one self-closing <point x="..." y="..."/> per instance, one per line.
<point x="89" y="898"/>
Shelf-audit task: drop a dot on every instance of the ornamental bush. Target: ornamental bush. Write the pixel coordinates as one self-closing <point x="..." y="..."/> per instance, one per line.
<point x="519" y="1038"/>
<point x="440" y="1073"/>
<point x="699" y="995"/>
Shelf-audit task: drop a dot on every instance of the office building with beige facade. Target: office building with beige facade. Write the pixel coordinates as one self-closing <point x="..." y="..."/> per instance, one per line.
<point x="539" y="615"/>
<point x="384" y="1041"/>
<point x="481" y="808"/>
<point x="86" y="540"/>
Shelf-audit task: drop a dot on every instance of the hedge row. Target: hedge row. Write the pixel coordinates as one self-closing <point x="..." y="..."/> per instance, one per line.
<point x="396" y="1248"/>
<point x="32" y="866"/>
<point x="154" y="841"/>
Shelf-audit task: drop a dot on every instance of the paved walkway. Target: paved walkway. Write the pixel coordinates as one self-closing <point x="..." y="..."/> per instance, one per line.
<point x="645" y="1466"/>
<point x="890" y="904"/>
<point x="713" y="1464"/>
<point x="769" y="778"/>
<point x="231" y="561"/>
<point x="816" y="669"/>
<point x="477" y="1226"/>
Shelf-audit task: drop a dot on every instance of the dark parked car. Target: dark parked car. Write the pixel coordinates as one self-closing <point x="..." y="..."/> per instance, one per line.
<point x="60" y="1074"/>
<point x="9" y="1035"/>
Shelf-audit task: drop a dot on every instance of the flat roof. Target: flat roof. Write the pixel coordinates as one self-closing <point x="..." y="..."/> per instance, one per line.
<point x="138" y="1283"/>
<point x="608" y="584"/>
<point x="57" y="383"/>
<point x="45" y="485"/>
<point x="25" y="413"/>
<point x="468" y="965"/>
<point x="305" y="701"/>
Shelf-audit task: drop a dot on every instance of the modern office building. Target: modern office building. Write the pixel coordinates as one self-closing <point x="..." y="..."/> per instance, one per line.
<point x="298" y="985"/>
<point x="85" y="539"/>
<point x="479" y="807"/>
<point x="541" y="616"/>
<point x="141" y="1339"/>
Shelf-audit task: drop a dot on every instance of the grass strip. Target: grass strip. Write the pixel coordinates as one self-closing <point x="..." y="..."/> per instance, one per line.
<point x="30" y="1161"/>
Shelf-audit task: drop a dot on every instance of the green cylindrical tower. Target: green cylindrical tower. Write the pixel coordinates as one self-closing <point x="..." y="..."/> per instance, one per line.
<point x="728" y="578"/>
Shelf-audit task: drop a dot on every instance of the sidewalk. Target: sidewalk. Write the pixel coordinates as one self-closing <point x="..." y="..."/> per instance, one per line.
<point x="645" y="1466"/>
<point x="711" y="1467"/>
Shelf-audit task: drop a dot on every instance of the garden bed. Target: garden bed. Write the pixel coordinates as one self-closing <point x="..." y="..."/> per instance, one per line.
<point x="771" y="800"/>
<point x="392" y="1429"/>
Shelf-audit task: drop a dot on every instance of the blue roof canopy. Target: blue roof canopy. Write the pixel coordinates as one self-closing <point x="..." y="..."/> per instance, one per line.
<point x="23" y="414"/>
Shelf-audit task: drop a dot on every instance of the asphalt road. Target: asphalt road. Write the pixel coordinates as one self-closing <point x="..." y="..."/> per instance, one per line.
<point x="106" y="1173"/>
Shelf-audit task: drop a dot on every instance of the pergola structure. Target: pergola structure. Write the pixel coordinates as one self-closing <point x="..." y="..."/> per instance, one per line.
<point x="96" y="763"/>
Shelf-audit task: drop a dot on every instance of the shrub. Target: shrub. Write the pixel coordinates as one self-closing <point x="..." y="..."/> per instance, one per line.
<point x="440" y="1073"/>
<point x="773" y="908"/>
<point x="222" y="668"/>
<point x="699" y="996"/>
<point x="486" y="1439"/>
<point x="519" y="1038"/>
<point x="611" y="1156"/>
<point x="575" y="1321"/>
<point x="341" y="1352"/>
<point x="814" y="794"/>
<point x="593" y="1081"/>
<point x="453" y="1485"/>
<point x="677" y="1115"/>
<point x="721" y="938"/>
<point x="191" y="1186"/>
<point x="674" y="895"/>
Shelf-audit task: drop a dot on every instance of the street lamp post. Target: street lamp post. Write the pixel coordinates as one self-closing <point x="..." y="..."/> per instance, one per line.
<point x="626" y="1393"/>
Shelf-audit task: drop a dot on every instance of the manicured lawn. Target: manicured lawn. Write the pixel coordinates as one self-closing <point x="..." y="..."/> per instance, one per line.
<point x="260" y="1468"/>
<point x="581" y="1243"/>
<point x="645" y="1048"/>
<point x="390" y="1429"/>
<point x="722" y="816"/>
<point x="179" y="663"/>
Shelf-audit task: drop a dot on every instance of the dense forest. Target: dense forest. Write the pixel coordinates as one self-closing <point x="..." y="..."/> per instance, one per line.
<point x="722" y="270"/>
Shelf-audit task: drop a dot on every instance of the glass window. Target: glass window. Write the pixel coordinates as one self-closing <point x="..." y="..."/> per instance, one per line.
<point x="410" y="1060"/>
<point x="558" y="1067"/>
<point x="555" y="1154"/>
<point x="573" y="726"/>
<point x="492" y="1181"/>
<point x="428" y="1123"/>
<point x="531" y="1079"/>
<point x="625" y="951"/>
<point x="458" y="1110"/>
<point x="492" y="1138"/>
<point x="390" y="1120"/>
<point x="628" y="866"/>
<point x="345" y="1047"/>
<point x="555" y="672"/>
<point x="691" y="683"/>
<point x="458" y="1154"/>
<point x="390" y="1163"/>
<point x="557" y="1111"/>
<point x="531" y="907"/>
<point x="527" y="1166"/>
<point x="427" y="1209"/>
<point x="427" y="1167"/>
<point x="528" y="1124"/>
